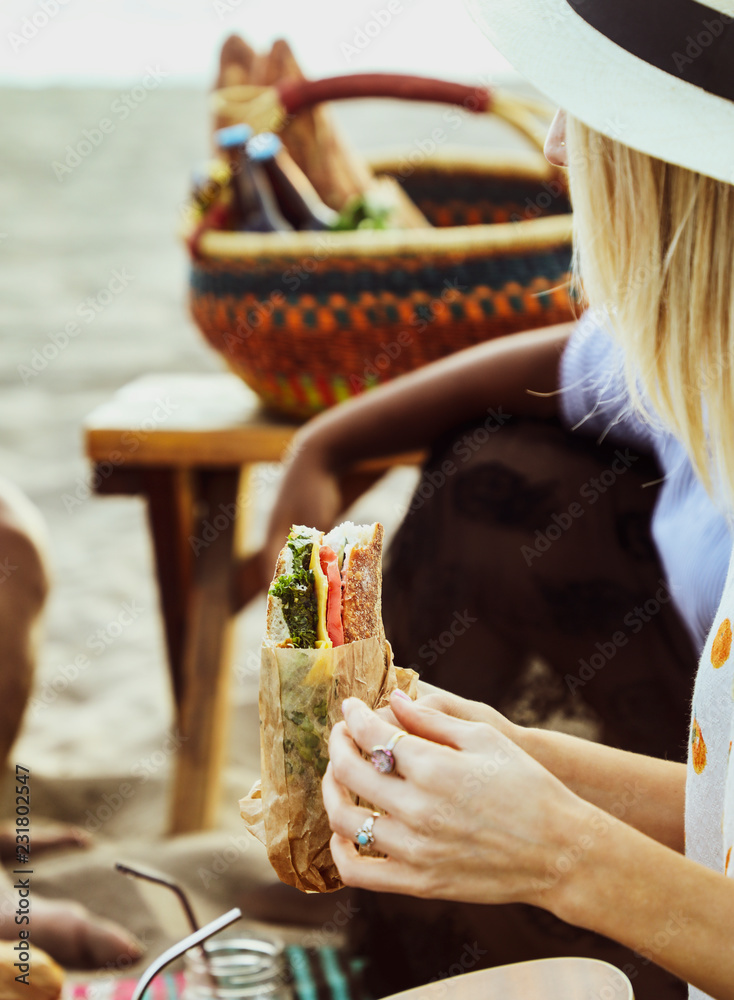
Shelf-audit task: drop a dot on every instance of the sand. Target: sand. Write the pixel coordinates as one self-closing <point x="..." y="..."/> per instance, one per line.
<point x="103" y="723"/>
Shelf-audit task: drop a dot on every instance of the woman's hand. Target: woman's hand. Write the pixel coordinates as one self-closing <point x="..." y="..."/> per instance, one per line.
<point x="470" y="711"/>
<point x="470" y="816"/>
<point x="436" y="698"/>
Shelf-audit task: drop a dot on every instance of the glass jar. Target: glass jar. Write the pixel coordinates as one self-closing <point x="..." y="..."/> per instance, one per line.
<point x="237" y="967"/>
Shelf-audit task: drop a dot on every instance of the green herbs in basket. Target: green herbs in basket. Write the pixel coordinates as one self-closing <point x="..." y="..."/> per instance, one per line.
<point x="364" y="211"/>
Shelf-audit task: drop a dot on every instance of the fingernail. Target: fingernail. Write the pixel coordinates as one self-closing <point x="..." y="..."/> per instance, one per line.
<point x="397" y="693"/>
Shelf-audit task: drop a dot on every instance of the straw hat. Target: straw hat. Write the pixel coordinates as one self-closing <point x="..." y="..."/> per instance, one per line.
<point x="657" y="75"/>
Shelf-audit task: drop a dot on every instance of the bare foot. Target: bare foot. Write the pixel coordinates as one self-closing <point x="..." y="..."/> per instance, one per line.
<point x="68" y="932"/>
<point x="46" y="837"/>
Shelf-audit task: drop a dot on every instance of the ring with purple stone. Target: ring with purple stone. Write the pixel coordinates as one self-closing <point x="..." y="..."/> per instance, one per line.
<point x="383" y="758"/>
<point x="364" y="837"/>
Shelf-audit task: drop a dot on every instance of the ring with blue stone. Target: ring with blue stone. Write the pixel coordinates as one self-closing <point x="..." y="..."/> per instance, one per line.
<point x="383" y="758"/>
<point x="364" y="837"/>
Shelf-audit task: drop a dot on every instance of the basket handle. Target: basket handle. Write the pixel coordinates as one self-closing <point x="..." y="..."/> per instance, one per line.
<point x="268" y="109"/>
<point x="299" y="94"/>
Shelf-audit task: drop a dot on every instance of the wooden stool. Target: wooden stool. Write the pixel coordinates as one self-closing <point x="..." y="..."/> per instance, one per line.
<point x="185" y="442"/>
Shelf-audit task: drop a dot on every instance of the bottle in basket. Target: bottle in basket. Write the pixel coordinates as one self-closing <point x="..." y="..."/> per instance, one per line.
<point x="209" y="183"/>
<point x="296" y="195"/>
<point x="255" y="207"/>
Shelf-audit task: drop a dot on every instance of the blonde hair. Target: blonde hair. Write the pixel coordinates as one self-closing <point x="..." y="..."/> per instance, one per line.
<point x="655" y="247"/>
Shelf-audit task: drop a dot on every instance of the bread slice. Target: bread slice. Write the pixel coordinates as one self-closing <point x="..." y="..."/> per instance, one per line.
<point x="359" y="548"/>
<point x="276" y="629"/>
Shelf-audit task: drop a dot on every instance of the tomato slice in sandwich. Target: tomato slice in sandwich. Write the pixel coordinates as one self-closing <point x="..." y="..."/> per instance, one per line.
<point x="330" y="566"/>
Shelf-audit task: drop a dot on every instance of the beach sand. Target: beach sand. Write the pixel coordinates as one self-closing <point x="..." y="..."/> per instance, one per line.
<point x="99" y="736"/>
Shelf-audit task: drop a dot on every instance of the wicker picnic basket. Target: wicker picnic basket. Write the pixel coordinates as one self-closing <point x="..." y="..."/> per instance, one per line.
<point x="310" y="319"/>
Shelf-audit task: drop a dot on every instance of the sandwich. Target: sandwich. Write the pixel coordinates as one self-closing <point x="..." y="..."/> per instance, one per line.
<point x="327" y="589"/>
<point x="324" y="642"/>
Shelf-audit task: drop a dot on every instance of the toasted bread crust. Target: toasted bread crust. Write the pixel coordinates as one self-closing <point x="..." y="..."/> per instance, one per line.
<point x="276" y="629"/>
<point x="362" y="590"/>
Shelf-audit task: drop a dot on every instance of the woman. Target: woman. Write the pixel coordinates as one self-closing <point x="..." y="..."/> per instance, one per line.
<point x="460" y="549"/>
<point x="480" y="809"/>
<point x="491" y="566"/>
<point x="512" y="526"/>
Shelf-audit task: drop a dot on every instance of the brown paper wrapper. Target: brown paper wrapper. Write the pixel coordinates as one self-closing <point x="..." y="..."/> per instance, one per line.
<point x="301" y="692"/>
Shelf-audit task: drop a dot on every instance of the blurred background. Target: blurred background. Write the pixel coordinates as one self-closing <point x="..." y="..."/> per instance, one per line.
<point x="90" y="44"/>
<point x="64" y="236"/>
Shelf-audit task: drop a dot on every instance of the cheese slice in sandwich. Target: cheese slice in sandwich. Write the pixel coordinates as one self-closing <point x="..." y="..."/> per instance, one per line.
<point x="327" y="589"/>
